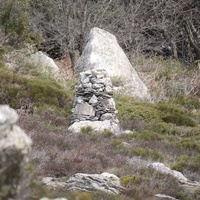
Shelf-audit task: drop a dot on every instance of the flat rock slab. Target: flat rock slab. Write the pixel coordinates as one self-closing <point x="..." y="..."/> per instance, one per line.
<point x="91" y="182"/>
<point x="98" y="126"/>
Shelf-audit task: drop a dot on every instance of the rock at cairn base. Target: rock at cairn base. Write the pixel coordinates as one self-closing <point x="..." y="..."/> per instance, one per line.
<point x="15" y="146"/>
<point x="94" y="105"/>
<point x="103" y="52"/>
<point x="92" y="182"/>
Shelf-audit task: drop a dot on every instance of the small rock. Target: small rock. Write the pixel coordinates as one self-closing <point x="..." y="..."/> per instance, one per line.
<point x="164" y="197"/>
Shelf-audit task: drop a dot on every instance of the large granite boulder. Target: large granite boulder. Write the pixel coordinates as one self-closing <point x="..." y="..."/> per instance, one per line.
<point x="15" y="146"/>
<point x="103" y="52"/>
<point x="93" y="182"/>
<point x="43" y="63"/>
<point x="94" y="105"/>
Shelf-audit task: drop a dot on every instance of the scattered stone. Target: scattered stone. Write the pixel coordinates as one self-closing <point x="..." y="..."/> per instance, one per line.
<point x="103" y="52"/>
<point x="15" y="146"/>
<point x="91" y="182"/>
<point x="94" y="104"/>
<point x="164" y="197"/>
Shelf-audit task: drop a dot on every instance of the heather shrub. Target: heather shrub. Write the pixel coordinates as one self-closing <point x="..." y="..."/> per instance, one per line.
<point x="188" y="163"/>
<point x="189" y="143"/>
<point x="146" y="135"/>
<point x="148" y="153"/>
<point x="130" y="180"/>
<point x="107" y="133"/>
<point x="179" y="120"/>
<point x="16" y="89"/>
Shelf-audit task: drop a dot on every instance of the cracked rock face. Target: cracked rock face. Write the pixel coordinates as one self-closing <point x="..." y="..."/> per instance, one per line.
<point x="91" y="182"/>
<point x="103" y="52"/>
<point x="15" y="146"/>
<point x="94" y="105"/>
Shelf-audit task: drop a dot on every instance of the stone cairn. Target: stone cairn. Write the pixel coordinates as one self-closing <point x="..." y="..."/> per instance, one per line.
<point x="94" y="98"/>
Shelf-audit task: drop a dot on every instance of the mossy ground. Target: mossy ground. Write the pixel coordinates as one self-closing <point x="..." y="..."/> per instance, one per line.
<point x="167" y="131"/>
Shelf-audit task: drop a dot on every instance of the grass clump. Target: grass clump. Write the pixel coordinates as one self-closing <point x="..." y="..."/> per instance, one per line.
<point x="86" y="129"/>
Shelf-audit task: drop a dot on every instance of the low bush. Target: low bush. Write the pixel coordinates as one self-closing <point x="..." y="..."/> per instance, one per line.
<point x="130" y="180"/>
<point x="179" y="120"/>
<point x="149" y="154"/>
<point x="189" y="163"/>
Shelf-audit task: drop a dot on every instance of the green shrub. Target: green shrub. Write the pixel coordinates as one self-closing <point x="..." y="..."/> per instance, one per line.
<point x="149" y="136"/>
<point x="120" y="148"/>
<point x="16" y="89"/>
<point x="185" y="162"/>
<point x="179" y="120"/>
<point x="188" y="143"/>
<point x="189" y="102"/>
<point x="148" y="153"/>
<point x="107" y="133"/>
<point x="130" y="180"/>
<point x="129" y="109"/>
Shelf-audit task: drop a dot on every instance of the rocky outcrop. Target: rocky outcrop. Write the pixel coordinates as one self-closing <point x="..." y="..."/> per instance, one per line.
<point x="43" y="63"/>
<point x="165" y="170"/>
<point x="15" y="146"/>
<point x="94" y="105"/>
<point x="91" y="182"/>
<point x="186" y="183"/>
<point x="103" y="52"/>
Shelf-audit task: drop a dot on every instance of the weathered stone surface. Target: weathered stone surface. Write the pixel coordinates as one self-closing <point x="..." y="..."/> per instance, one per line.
<point x="186" y="183"/>
<point x="45" y="198"/>
<point x="165" y="170"/>
<point x="54" y="183"/>
<point x="93" y="104"/>
<point x="84" y="109"/>
<point x="96" y="126"/>
<point x="42" y="62"/>
<point x="103" y="52"/>
<point x="91" y="182"/>
<point x="8" y="117"/>
<point x="15" y="146"/>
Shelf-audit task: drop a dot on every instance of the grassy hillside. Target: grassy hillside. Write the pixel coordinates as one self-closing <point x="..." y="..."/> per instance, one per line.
<point x="167" y="131"/>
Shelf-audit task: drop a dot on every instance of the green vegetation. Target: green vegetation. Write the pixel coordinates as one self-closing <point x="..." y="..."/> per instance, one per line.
<point x="35" y="94"/>
<point x="149" y="154"/>
<point x="167" y="131"/>
<point x="14" y="23"/>
<point x="130" y="180"/>
<point x="185" y="162"/>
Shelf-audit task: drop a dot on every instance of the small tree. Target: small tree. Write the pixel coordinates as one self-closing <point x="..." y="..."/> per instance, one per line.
<point x="14" y="22"/>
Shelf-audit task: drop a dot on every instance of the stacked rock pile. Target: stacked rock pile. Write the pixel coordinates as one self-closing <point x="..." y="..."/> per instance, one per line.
<point x="94" y="98"/>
